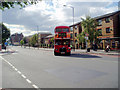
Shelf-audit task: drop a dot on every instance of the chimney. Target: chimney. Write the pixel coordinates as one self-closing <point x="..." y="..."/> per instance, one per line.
<point x="119" y="5"/>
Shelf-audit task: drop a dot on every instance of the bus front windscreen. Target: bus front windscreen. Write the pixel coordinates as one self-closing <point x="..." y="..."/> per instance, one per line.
<point x="62" y="34"/>
<point x="62" y="42"/>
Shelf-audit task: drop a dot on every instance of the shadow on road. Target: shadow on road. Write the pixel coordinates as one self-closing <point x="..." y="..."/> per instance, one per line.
<point x="82" y="56"/>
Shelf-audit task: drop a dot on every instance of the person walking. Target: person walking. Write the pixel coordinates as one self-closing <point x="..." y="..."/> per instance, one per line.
<point x="107" y="48"/>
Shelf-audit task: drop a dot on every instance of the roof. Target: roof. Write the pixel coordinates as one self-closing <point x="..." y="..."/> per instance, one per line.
<point x="44" y="33"/>
<point x="100" y="17"/>
<point x="107" y="15"/>
<point x="49" y="36"/>
<point x="75" y="24"/>
<point x="18" y="34"/>
<point x="62" y="27"/>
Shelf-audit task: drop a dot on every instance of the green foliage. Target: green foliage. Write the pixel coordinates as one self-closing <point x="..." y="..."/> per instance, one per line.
<point x="33" y="40"/>
<point x="8" y="5"/>
<point x="25" y="41"/>
<point x="89" y="24"/>
<point x="81" y="37"/>
<point x="5" y="33"/>
<point x="52" y="40"/>
<point x="21" y="42"/>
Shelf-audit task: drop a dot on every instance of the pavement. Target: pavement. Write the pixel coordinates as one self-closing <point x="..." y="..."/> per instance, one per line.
<point x="102" y="52"/>
<point x="2" y="52"/>
<point x="98" y="52"/>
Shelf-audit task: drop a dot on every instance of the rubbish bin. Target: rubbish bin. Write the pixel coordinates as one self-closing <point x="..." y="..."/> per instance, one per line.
<point x="88" y="49"/>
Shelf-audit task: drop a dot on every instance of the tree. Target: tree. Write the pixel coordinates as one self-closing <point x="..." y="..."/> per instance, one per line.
<point x="52" y="41"/>
<point x="5" y="33"/>
<point x="89" y="24"/>
<point x="21" y="42"/>
<point x="24" y="40"/>
<point x="81" y="37"/>
<point x="8" y="5"/>
<point x="34" y="40"/>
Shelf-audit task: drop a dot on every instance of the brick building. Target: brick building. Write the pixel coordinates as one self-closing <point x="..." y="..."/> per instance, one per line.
<point x="110" y="29"/>
<point x="16" y="38"/>
<point x="109" y="25"/>
<point x="48" y="38"/>
<point x="77" y="30"/>
<point x="41" y="37"/>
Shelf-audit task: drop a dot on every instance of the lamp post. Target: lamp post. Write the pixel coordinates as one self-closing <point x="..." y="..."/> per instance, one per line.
<point x="73" y="24"/>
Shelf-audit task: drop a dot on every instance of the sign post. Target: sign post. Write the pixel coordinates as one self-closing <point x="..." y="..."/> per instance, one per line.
<point x="86" y="37"/>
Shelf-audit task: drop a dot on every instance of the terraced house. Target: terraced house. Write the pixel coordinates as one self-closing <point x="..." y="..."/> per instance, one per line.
<point x="109" y="25"/>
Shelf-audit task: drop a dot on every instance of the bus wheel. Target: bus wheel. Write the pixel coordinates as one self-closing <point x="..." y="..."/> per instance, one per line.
<point x="55" y="53"/>
<point x="68" y="54"/>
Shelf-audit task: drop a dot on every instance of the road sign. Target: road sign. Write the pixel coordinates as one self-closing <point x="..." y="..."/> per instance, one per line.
<point x="6" y="43"/>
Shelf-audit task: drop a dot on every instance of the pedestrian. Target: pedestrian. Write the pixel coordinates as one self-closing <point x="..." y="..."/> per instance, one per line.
<point x="95" y="47"/>
<point x="107" y="48"/>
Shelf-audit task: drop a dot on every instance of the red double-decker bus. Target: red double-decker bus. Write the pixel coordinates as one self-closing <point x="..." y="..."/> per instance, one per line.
<point x="62" y="40"/>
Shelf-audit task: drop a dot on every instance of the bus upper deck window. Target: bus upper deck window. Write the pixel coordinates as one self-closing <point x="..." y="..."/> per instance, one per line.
<point x="65" y="30"/>
<point x="58" y="30"/>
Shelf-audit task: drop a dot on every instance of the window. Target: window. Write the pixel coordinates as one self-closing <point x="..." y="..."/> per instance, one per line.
<point x="100" y="30"/>
<point x="76" y="27"/>
<point x="75" y="34"/>
<point x="65" y="30"/>
<point x="107" y="20"/>
<point x="99" y="22"/>
<point x="71" y="35"/>
<point x="107" y="30"/>
<point x="62" y="34"/>
<point x="59" y="30"/>
<point x="71" y="29"/>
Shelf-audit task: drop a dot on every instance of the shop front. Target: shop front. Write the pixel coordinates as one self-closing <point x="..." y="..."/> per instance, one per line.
<point x="113" y="42"/>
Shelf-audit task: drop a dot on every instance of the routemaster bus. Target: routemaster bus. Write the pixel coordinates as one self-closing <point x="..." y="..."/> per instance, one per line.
<point x="62" y="40"/>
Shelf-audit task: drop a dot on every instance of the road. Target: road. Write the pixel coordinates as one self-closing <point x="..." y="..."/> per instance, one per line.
<point x="33" y="68"/>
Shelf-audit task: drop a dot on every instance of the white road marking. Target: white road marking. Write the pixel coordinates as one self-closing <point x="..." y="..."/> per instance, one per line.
<point x="14" y="53"/>
<point x="34" y="86"/>
<point x="15" y="69"/>
<point x="28" y="81"/>
<point x="19" y="72"/>
<point x="23" y="76"/>
<point x="2" y="58"/>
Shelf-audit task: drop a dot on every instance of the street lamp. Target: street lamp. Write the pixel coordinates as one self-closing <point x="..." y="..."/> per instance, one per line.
<point x="73" y="24"/>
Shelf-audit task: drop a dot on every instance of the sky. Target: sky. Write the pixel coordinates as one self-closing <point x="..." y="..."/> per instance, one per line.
<point x="47" y="14"/>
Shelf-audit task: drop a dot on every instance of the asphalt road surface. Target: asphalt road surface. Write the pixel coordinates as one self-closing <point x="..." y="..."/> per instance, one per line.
<point x="33" y="68"/>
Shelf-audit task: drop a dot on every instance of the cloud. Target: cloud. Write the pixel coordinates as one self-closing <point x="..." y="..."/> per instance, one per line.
<point x="48" y="14"/>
